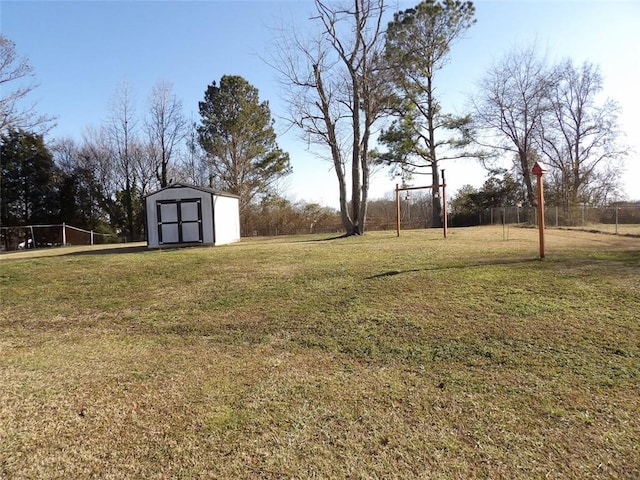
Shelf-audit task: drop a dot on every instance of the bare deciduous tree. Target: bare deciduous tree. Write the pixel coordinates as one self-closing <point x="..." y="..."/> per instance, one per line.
<point x="142" y="157"/>
<point x="193" y="166"/>
<point x="335" y="91"/>
<point x="579" y="137"/>
<point x="95" y="155"/>
<point x="122" y="129"/>
<point x="166" y="127"/>
<point x="509" y="108"/>
<point x="16" y="82"/>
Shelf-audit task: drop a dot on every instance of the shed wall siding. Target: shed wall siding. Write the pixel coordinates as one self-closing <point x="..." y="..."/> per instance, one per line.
<point x="227" y="219"/>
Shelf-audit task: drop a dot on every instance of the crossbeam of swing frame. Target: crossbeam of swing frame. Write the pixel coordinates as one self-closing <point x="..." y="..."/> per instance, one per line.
<point x="442" y="185"/>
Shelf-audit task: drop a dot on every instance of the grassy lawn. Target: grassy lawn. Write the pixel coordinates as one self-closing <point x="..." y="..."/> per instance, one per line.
<point x="302" y="357"/>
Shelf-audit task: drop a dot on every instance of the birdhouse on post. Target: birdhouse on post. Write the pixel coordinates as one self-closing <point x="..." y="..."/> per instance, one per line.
<point x="539" y="169"/>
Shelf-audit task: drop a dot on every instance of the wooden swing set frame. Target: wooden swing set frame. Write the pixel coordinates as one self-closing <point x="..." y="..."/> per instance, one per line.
<point x="442" y="185"/>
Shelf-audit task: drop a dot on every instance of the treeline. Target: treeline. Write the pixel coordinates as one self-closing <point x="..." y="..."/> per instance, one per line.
<point x="77" y="184"/>
<point x="99" y="182"/>
<point x="38" y="190"/>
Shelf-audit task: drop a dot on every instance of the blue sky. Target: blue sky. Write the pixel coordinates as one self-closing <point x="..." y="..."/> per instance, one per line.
<point x="82" y="50"/>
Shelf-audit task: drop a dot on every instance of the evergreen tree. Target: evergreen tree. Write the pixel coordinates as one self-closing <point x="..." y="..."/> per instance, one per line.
<point x="28" y="180"/>
<point x="236" y="132"/>
<point x="418" y="44"/>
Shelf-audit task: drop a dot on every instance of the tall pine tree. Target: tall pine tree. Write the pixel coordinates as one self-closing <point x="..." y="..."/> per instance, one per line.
<point x="418" y="44"/>
<point x="236" y="132"/>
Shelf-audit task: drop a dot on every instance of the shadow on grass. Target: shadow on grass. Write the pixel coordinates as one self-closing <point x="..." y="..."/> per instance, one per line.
<point x="328" y="239"/>
<point x="64" y="251"/>
<point x="111" y="251"/>
<point x="392" y="273"/>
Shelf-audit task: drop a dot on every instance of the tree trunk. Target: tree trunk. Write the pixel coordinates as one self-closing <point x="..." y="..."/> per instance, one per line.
<point x="526" y="176"/>
<point x="435" y="198"/>
<point x="347" y="223"/>
<point x="436" y="211"/>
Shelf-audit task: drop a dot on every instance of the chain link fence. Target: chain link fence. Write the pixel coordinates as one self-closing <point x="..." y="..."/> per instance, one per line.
<point x="44" y="236"/>
<point x="619" y="220"/>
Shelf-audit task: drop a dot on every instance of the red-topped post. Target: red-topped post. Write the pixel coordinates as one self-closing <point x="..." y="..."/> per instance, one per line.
<point x="539" y="170"/>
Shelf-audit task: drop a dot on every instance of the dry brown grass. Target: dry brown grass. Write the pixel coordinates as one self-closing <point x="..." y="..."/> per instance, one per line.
<point x="371" y="357"/>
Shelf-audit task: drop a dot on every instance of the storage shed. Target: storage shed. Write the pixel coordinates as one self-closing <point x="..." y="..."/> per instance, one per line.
<point x="182" y="214"/>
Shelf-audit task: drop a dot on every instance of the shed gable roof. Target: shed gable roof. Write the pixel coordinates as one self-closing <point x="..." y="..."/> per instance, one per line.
<point x="212" y="191"/>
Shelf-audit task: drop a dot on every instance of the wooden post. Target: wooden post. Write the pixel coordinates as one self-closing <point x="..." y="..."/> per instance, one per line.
<point x="444" y="205"/>
<point x="445" y="220"/>
<point x="538" y="170"/>
<point x="397" y="211"/>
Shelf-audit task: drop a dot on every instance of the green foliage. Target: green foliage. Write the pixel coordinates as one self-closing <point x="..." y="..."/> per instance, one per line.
<point x="86" y="188"/>
<point x="417" y="46"/>
<point x="403" y="142"/>
<point x="430" y="27"/>
<point x="463" y="202"/>
<point x="35" y="189"/>
<point x="236" y="131"/>
<point x="499" y="190"/>
<point x="133" y="227"/>
<point x="28" y="180"/>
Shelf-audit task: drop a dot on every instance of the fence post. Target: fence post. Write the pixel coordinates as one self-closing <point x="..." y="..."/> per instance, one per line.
<point x="33" y="238"/>
<point x="617" y="220"/>
<point x="504" y="221"/>
<point x="64" y="234"/>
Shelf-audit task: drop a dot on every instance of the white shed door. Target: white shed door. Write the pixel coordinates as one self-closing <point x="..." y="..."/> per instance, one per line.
<point x="179" y="221"/>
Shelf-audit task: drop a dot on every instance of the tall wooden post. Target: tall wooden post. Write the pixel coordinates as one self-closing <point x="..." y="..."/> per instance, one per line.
<point x="397" y="210"/>
<point x="538" y="170"/>
<point x="444" y="205"/>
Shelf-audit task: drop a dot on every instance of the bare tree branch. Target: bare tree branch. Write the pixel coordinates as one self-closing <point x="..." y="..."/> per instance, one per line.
<point x="166" y="128"/>
<point x="510" y="107"/>
<point x="17" y="81"/>
<point x="579" y="137"/>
